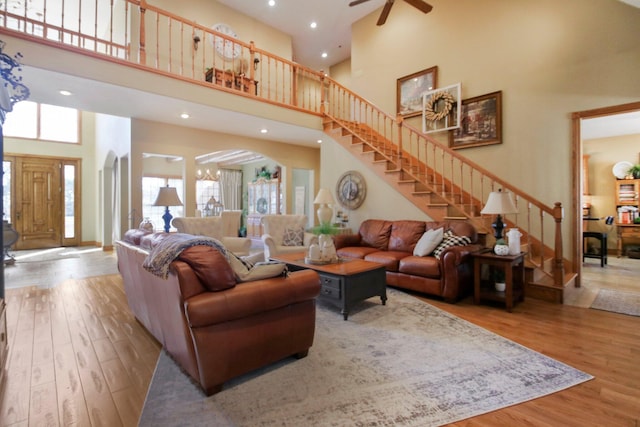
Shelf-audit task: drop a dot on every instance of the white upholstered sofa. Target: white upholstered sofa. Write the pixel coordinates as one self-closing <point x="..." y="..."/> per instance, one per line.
<point x="285" y="234"/>
<point x="223" y="227"/>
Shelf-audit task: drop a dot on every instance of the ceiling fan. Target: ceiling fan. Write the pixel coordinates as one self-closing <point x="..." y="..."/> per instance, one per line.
<point x="418" y="4"/>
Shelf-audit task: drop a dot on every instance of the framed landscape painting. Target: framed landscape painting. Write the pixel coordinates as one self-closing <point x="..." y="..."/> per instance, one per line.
<point x="411" y="88"/>
<point x="480" y="122"/>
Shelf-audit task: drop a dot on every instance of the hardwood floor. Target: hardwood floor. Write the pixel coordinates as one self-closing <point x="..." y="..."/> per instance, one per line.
<point x="77" y="355"/>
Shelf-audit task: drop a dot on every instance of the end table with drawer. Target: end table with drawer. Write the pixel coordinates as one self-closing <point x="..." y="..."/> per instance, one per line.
<point x="513" y="266"/>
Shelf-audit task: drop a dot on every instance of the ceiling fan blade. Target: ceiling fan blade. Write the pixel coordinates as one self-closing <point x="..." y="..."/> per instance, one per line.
<point x="357" y="2"/>
<point x="385" y="12"/>
<point x="420" y="4"/>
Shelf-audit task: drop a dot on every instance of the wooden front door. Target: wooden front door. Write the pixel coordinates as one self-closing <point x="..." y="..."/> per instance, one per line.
<point x="38" y="202"/>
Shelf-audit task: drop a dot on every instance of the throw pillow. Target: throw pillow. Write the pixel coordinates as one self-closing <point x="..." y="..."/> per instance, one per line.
<point x="449" y="240"/>
<point x="428" y="242"/>
<point x="261" y="270"/>
<point x="210" y="266"/>
<point x="293" y="236"/>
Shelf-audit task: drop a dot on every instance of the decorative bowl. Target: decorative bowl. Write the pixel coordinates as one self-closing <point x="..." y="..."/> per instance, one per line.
<point x="501" y="249"/>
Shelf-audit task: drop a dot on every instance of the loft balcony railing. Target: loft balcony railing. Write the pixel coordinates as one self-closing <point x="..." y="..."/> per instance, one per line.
<point x="135" y="33"/>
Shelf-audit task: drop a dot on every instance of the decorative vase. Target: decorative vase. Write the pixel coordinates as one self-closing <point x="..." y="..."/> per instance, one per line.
<point x="146" y="225"/>
<point x="500" y="286"/>
<point x="514" y="241"/>
<point x="501" y="249"/>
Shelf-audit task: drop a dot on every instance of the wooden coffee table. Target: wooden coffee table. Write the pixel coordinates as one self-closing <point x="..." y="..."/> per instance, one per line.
<point x="345" y="282"/>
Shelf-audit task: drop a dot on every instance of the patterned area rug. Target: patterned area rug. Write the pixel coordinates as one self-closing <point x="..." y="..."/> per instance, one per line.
<point x="618" y="302"/>
<point x="404" y="364"/>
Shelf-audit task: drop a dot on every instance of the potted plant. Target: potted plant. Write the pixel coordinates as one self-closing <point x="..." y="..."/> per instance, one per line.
<point x="499" y="279"/>
<point x="634" y="171"/>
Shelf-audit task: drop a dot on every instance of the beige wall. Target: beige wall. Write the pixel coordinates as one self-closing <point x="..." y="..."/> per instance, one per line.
<point x="549" y="58"/>
<point x="603" y="154"/>
<point x="162" y="138"/>
<point x="209" y="12"/>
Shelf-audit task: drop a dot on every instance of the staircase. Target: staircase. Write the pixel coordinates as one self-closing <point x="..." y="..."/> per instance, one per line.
<point x="429" y="181"/>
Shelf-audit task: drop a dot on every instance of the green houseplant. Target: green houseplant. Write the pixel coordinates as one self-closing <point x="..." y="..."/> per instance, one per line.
<point x="635" y="171"/>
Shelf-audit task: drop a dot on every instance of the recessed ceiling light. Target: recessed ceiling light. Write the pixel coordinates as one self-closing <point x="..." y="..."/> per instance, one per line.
<point x="319" y="141"/>
<point x="314" y="24"/>
<point x="324" y="54"/>
<point x="272" y="3"/>
<point x="184" y="115"/>
<point x="65" y="93"/>
<point x="263" y="131"/>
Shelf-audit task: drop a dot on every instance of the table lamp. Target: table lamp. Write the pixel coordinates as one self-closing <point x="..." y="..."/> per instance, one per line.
<point x="324" y="198"/>
<point x="167" y="196"/>
<point x="499" y="203"/>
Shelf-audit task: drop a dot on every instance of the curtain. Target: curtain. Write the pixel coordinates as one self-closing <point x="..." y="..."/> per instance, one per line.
<point x="231" y="189"/>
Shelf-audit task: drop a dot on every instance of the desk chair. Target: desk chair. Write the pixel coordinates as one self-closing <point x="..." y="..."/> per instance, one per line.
<point x="602" y="238"/>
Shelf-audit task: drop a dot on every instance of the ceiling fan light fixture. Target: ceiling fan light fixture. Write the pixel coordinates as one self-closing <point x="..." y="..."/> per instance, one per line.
<point x="418" y="4"/>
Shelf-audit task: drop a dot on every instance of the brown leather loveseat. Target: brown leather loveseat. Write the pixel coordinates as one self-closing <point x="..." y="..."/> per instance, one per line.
<point x="392" y="243"/>
<point x="214" y="327"/>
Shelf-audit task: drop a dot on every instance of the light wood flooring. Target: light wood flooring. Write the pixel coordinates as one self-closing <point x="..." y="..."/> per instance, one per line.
<point x="78" y="357"/>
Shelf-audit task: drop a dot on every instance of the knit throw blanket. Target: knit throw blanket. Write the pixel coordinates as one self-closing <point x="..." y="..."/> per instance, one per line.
<point x="168" y="249"/>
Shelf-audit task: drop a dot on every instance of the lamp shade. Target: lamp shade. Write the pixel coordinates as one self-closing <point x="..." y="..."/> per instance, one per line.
<point x="324" y="196"/>
<point x="500" y="203"/>
<point x="167" y="196"/>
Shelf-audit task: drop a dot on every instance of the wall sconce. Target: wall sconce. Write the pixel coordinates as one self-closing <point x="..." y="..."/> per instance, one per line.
<point x="256" y="61"/>
<point x="196" y="40"/>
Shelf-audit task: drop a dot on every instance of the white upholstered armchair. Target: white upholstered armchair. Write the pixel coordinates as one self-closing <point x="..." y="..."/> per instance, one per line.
<point x="285" y="234"/>
<point x="219" y="227"/>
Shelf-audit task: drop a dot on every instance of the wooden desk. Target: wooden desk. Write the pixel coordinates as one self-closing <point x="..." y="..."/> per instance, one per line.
<point x="513" y="266"/>
<point x="627" y="232"/>
<point x="232" y="80"/>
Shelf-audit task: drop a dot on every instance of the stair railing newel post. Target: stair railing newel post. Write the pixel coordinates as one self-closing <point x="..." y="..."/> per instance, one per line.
<point x="558" y="271"/>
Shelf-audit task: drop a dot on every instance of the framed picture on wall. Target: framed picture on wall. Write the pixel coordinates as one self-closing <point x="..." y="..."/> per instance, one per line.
<point x="411" y="88"/>
<point x="480" y="122"/>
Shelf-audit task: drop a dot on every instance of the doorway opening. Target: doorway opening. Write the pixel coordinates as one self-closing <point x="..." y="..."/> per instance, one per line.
<point x="578" y="173"/>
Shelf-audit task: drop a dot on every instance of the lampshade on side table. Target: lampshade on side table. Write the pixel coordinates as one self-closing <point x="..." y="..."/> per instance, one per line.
<point x="167" y="196"/>
<point x="499" y="203"/>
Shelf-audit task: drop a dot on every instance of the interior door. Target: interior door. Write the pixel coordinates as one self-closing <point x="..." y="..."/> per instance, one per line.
<point x="38" y="203"/>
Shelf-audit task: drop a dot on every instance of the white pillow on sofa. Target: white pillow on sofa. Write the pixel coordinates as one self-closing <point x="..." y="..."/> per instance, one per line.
<point x="428" y="242"/>
<point x="245" y="272"/>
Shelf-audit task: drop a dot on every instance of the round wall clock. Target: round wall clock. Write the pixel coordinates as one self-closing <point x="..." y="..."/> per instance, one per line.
<point x="224" y="47"/>
<point x="351" y="190"/>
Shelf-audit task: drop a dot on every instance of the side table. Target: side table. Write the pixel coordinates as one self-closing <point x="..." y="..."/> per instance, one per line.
<point x="513" y="266"/>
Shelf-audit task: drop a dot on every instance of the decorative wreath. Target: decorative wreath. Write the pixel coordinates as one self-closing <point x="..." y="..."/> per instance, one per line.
<point x="430" y="112"/>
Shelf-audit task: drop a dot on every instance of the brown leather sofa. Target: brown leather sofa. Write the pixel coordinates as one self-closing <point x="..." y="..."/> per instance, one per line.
<point x="213" y="327"/>
<point x="391" y="243"/>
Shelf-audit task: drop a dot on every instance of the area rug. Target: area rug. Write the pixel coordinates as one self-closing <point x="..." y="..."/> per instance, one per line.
<point x="617" y="302"/>
<point x="403" y="364"/>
